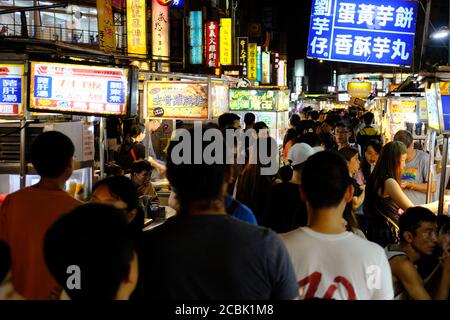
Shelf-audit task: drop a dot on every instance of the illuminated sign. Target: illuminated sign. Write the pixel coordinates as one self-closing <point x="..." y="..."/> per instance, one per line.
<point x="196" y="37"/>
<point x="363" y="31"/>
<point x="258" y="64"/>
<point x="359" y="89"/>
<point x="160" y="33"/>
<point x="403" y="106"/>
<point x="443" y="97"/>
<point x="252" y="53"/>
<point x="265" y="65"/>
<point x="242" y="48"/>
<point x="281" y="73"/>
<point x="165" y="3"/>
<point x="259" y="100"/>
<point x="106" y="29"/>
<point x="57" y="87"/>
<point x="136" y="31"/>
<point x="11" y="90"/>
<point x="212" y="44"/>
<point x="177" y="4"/>
<point x="219" y="96"/>
<point x="226" y="56"/>
<point x="174" y="99"/>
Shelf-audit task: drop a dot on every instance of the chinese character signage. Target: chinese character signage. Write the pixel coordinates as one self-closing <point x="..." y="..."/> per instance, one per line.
<point x="252" y="53"/>
<point x="219" y="97"/>
<point x="265" y="65"/>
<point x="363" y="31"/>
<point x="252" y="100"/>
<point x="177" y="4"/>
<point x="174" y="99"/>
<point x="242" y="47"/>
<point x="11" y="90"/>
<point x="403" y="106"/>
<point x="258" y="64"/>
<point x="160" y="32"/>
<point x="80" y="89"/>
<point x="136" y="35"/>
<point x="281" y="73"/>
<point x="196" y="37"/>
<point x="226" y="56"/>
<point x="443" y="97"/>
<point x="212" y="44"/>
<point x="106" y="29"/>
<point x="359" y="89"/>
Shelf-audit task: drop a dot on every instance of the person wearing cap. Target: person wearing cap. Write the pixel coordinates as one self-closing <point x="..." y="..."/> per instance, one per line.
<point x="287" y="211"/>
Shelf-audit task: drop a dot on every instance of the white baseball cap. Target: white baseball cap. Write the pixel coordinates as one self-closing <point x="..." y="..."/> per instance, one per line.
<point x="299" y="153"/>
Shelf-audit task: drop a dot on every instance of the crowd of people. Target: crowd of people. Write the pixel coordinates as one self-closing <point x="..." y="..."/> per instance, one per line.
<point x="344" y="218"/>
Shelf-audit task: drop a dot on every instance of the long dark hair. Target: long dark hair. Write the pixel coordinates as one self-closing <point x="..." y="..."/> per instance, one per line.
<point x="388" y="166"/>
<point x="365" y="166"/>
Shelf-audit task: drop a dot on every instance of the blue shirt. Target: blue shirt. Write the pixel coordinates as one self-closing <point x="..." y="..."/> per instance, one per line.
<point x="242" y="212"/>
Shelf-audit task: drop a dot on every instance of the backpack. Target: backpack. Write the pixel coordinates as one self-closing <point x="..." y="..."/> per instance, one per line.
<point x="232" y="207"/>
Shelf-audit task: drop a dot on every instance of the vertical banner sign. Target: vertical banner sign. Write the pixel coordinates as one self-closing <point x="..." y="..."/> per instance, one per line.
<point x="11" y="90"/>
<point x="212" y="44"/>
<point x="258" y="64"/>
<point x="196" y="37"/>
<point x="226" y="55"/>
<point x="363" y="31"/>
<point x="160" y="31"/>
<point x="137" y="39"/>
<point x="242" y="47"/>
<point x="252" y="52"/>
<point x="281" y="75"/>
<point x="265" y="66"/>
<point x="106" y="30"/>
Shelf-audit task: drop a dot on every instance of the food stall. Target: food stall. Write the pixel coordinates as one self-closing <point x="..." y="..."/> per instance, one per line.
<point x="63" y="97"/>
<point x="269" y="104"/>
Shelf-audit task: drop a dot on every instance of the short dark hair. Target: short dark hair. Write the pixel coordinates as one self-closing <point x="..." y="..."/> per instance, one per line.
<point x="325" y="179"/>
<point x="329" y="122"/>
<point x="314" y="115"/>
<point x="368" y="118"/>
<point x="5" y="260"/>
<point x="405" y="137"/>
<point x="348" y="152"/>
<point x="285" y="173"/>
<point x="112" y="169"/>
<point x="51" y="153"/>
<point x="310" y="138"/>
<point x="411" y="219"/>
<point x="249" y="118"/>
<point x="344" y="125"/>
<point x="227" y="119"/>
<point x="260" y="125"/>
<point x="141" y="165"/>
<point x="196" y="182"/>
<point x="443" y="223"/>
<point x="124" y="189"/>
<point x="94" y="237"/>
<point x="295" y="120"/>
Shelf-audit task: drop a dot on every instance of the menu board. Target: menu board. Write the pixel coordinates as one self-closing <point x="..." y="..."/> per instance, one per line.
<point x="176" y="100"/>
<point x="219" y="96"/>
<point x="432" y="107"/>
<point x="11" y="89"/>
<point x="252" y="100"/>
<point x="78" y="89"/>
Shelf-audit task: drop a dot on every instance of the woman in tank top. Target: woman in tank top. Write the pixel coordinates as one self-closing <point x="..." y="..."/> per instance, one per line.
<point x="385" y="200"/>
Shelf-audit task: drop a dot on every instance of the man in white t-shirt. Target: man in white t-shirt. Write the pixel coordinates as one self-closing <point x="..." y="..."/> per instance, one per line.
<point x="329" y="262"/>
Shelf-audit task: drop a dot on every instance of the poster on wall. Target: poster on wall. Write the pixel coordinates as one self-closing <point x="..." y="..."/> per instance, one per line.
<point x="176" y="99"/>
<point x="79" y="89"/>
<point x="11" y="89"/>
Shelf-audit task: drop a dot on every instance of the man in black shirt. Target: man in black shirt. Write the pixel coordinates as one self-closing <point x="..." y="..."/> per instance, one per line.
<point x="203" y="253"/>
